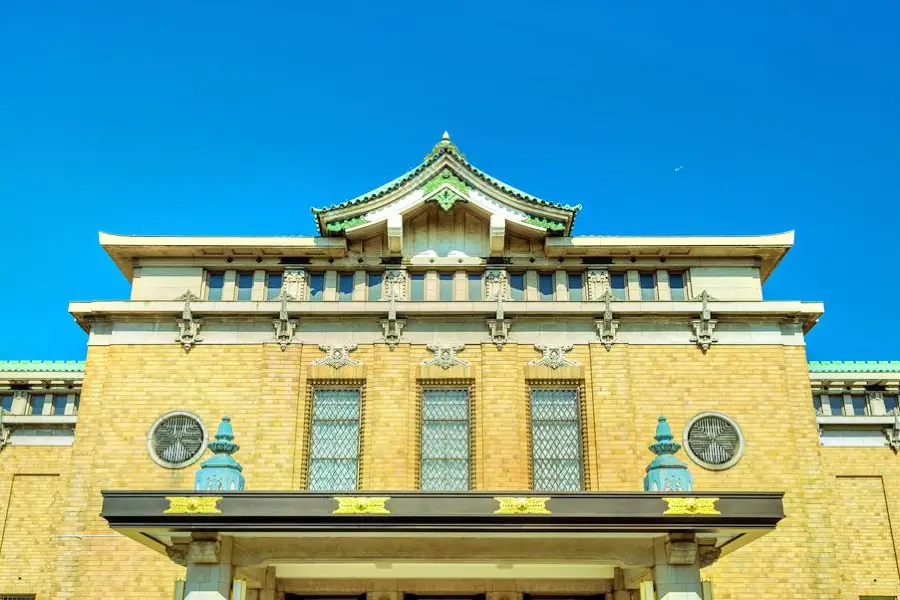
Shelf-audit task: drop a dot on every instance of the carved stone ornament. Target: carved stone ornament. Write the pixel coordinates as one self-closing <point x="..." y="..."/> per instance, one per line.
<point x="522" y="505"/>
<point x="361" y="505"/>
<point x="392" y="327"/>
<point x="892" y="434"/>
<point x="705" y="326"/>
<point x="496" y="284"/>
<point x="681" y="550"/>
<point x="295" y="283"/>
<point x="553" y="356"/>
<point x="691" y="506"/>
<point x="177" y="554"/>
<point x="499" y="326"/>
<point x="597" y="284"/>
<point x="337" y="355"/>
<point x="285" y="327"/>
<point x="607" y="327"/>
<point x="188" y="326"/>
<point x="445" y="356"/>
<point x="708" y="555"/>
<point x="193" y="505"/>
<point x="395" y="284"/>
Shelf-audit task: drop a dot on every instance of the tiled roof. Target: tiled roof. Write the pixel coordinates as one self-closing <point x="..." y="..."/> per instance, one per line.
<point x="440" y="149"/>
<point x="854" y="366"/>
<point x="57" y="366"/>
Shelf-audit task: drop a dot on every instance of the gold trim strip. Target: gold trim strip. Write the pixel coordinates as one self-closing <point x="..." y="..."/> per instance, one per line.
<point x="691" y="506"/>
<point x="361" y="505"/>
<point x="193" y="505"/>
<point x="522" y="505"/>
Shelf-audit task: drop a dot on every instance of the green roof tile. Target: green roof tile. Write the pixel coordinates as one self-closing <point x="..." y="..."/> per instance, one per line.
<point x="49" y="366"/>
<point x="854" y="366"/>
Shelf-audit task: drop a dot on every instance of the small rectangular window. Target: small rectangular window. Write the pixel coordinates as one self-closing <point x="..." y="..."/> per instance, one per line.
<point x="617" y="285"/>
<point x="6" y="403"/>
<point x="417" y="287"/>
<point x="445" y="287"/>
<point x="37" y="404"/>
<point x="345" y="287"/>
<point x="273" y="285"/>
<point x="648" y="286"/>
<point x="476" y="287"/>
<point x="214" y="284"/>
<point x="817" y="404"/>
<point x="836" y="403"/>
<point x="890" y="404"/>
<point x="77" y="402"/>
<point x="545" y="286"/>
<point x="517" y="286"/>
<point x="244" y="285"/>
<point x="859" y="404"/>
<point x="576" y="283"/>
<point x="374" y="286"/>
<point x="334" y="440"/>
<point x="556" y="440"/>
<point x="445" y="440"/>
<point x="316" y="287"/>
<point x="59" y="404"/>
<point x="676" y="285"/>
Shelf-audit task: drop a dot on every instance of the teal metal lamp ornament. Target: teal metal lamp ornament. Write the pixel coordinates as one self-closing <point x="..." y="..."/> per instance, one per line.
<point x="667" y="473"/>
<point x="221" y="473"/>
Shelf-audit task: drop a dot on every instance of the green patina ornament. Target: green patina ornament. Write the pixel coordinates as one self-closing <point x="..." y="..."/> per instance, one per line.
<point x="544" y="223"/>
<point x="445" y="188"/>
<point x="345" y="224"/>
<point x="445" y="146"/>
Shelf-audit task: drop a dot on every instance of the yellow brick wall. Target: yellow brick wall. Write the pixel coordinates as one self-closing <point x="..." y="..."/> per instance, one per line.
<point x="266" y="393"/>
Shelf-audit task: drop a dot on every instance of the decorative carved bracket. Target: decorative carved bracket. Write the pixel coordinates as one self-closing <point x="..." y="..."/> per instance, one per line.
<point x="392" y="326"/>
<point x="607" y="327"/>
<point x="337" y="356"/>
<point x="499" y="326"/>
<point x="705" y="326"/>
<point x="188" y="326"/>
<point x="445" y="356"/>
<point x="285" y="327"/>
<point x="893" y="434"/>
<point x="553" y="356"/>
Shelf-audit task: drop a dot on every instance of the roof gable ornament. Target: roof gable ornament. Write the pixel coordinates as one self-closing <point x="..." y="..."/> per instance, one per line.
<point x="667" y="473"/>
<point x="445" y="188"/>
<point x="445" y="146"/>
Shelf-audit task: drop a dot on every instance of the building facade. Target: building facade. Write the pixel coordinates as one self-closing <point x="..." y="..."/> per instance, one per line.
<point x="447" y="394"/>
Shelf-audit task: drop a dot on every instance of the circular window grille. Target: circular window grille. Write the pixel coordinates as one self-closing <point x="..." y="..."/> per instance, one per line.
<point x="713" y="441"/>
<point x="177" y="439"/>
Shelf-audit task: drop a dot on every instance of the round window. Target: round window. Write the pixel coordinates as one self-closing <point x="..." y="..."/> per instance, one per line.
<point x="177" y="439"/>
<point x="713" y="441"/>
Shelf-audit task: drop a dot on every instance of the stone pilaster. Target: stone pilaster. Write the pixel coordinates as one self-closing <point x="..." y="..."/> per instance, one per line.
<point x="676" y="575"/>
<point x="209" y="570"/>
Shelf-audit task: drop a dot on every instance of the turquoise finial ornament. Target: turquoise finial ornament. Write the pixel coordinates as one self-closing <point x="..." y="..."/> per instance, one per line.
<point x="221" y="473"/>
<point x="667" y="473"/>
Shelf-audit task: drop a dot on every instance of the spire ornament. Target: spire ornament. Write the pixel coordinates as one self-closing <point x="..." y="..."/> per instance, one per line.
<point x="667" y="473"/>
<point x="445" y="146"/>
<point x="221" y="473"/>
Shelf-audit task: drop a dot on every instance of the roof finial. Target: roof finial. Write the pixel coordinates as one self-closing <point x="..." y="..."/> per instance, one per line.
<point x="446" y="136"/>
<point x="445" y="146"/>
<point x="667" y="473"/>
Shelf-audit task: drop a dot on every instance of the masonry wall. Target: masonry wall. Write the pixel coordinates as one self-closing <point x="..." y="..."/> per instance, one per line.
<point x="266" y="392"/>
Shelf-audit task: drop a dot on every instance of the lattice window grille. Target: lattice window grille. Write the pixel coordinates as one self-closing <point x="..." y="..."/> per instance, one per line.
<point x="334" y="439"/>
<point x="713" y="440"/>
<point x="177" y="439"/>
<point x="556" y="439"/>
<point x="445" y="439"/>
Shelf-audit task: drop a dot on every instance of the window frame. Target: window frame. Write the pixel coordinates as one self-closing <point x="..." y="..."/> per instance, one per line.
<point x="683" y="288"/>
<point x="370" y="288"/>
<point x="314" y="276"/>
<point x="470" y="433"/>
<point x="270" y="297"/>
<point x="613" y="275"/>
<point x="417" y="278"/>
<point x="358" y="386"/>
<point x="209" y="288"/>
<point x="343" y="276"/>
<point x="654" y="288"/>
<point x="513" y="292"/>
<point x="579" y="276"/>
<point x="238" y="289"/>
<point x="581" y="411"/>
<point x="474" y="276"/>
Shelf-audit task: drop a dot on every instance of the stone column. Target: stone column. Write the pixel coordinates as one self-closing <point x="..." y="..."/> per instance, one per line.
<point x="676" y="575"/>
<point x="633" y="283"/>
<point x="229" y="285"/>
<point x="258" y="291"/>
<point x="209" y="570"/>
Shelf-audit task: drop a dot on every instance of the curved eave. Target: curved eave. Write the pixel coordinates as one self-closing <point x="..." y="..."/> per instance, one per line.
<point x="769" y="249"/>
<point x="414" y="177"/>
<point x="125" y="249"/>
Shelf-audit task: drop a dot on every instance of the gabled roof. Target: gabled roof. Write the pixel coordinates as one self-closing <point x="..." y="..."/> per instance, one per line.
<point x="41" y="366"/>
<point x="550" y="216"/>
<point x="854" y="366"/>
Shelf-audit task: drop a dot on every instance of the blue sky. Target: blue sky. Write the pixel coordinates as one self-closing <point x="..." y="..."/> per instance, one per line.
<point x="180" y="117"/>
